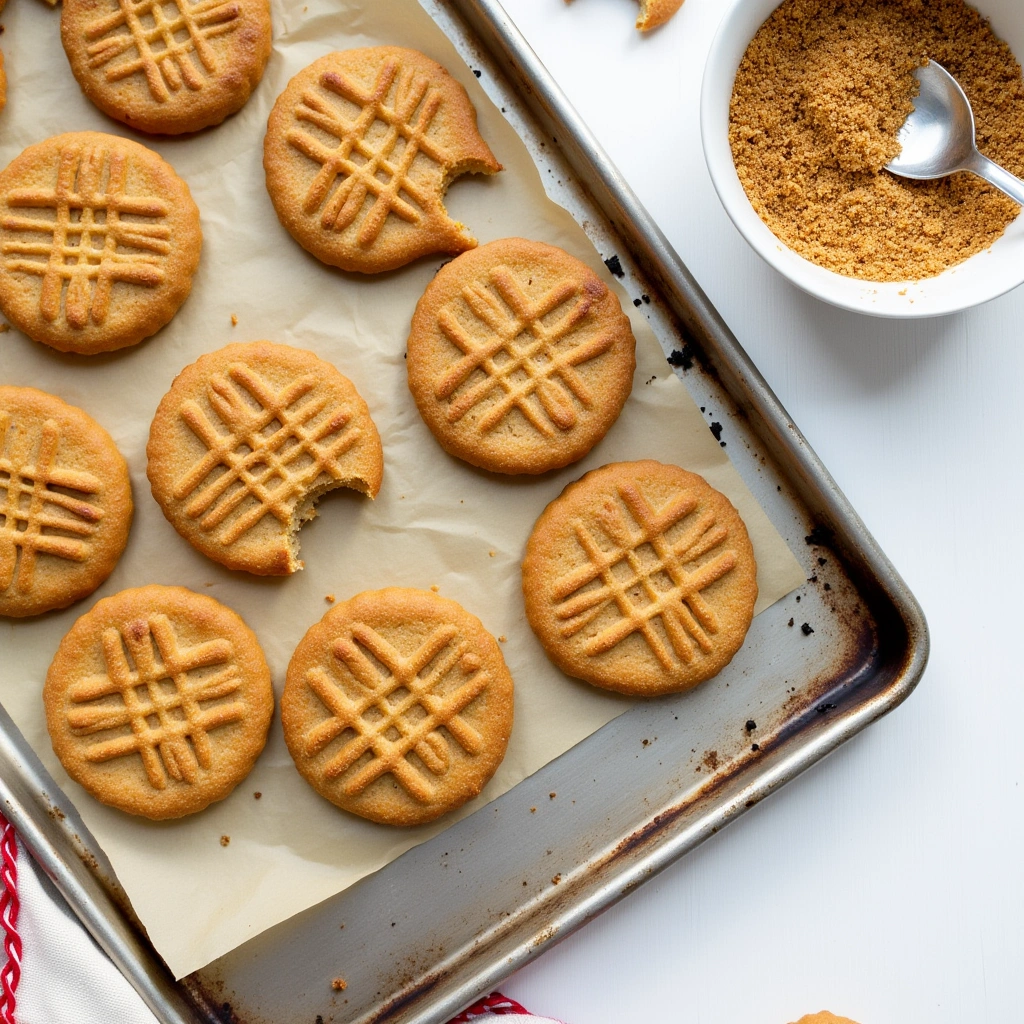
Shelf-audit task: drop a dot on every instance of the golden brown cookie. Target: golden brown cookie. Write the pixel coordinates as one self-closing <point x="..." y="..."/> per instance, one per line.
<point x="520" y="358"/>
<point x="397" y="706"/>
<point x="245" y="442"/>
<point x="167" y="66"/>
<point x="654" y="13"/>
<point x="99" y="239"/>
<point x="640" y="577"/>
<point x="158" y="701"/>
<point x="65" y="503"/>
<point x="360" y="149"/>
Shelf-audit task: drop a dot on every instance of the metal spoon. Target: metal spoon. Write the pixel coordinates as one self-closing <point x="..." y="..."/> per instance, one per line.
<point x="938" y="136"/>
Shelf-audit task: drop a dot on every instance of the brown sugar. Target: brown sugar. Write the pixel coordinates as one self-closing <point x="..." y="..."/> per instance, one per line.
<point x="819" y="99"/>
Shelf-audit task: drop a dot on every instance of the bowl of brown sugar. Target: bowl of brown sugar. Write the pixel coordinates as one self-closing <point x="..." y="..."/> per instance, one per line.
<point x="801" y="106"/>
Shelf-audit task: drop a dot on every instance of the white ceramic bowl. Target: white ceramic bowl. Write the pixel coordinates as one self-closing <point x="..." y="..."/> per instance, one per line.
<point x="982" y="277"/>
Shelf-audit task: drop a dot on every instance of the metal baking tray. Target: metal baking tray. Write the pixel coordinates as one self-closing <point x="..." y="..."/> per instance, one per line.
<point x="421" y="939"/>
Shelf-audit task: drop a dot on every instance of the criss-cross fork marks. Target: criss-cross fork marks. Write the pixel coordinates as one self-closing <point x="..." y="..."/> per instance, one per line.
<point x="159" y="43"/>
<point x="276" y="448"/>
<point x="685" y="615"/>
<point x="32" y="512"/>
<point x="398" y="713"/>
<point x="371" y="169"/>
<point x="538" y="359"/>
<point x="169" y="725"/>
<point x="88" y="236"/>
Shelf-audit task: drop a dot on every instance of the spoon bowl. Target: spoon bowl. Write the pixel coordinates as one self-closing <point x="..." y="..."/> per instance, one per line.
<point x="938" y="136"/>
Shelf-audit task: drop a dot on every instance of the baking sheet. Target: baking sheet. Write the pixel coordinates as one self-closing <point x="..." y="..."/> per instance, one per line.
<point x="436" y="522"/>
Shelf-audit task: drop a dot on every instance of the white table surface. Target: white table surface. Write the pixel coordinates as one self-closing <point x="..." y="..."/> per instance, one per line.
<point x="886" y="883"/>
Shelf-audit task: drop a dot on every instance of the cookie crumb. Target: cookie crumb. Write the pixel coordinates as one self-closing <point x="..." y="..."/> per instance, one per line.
<point x="533" y="810"/>
<point x="551" y="796"/>
<point x="555" y="879"/>
<point x="225" y="840"/>
<point x="329" y="598"/>
<point x="339" y="984"/>
<point x="502" y="639"/>
<point x="257" y="795"/>
<point x="234" y="319"/>
<point x="435" y="588"/>
<point x="491" y="554"/>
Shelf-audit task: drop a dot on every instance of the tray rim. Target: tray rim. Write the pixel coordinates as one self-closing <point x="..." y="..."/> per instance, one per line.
<point x="71" y="858"/>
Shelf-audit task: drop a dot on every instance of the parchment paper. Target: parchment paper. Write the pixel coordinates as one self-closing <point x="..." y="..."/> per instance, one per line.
<point x="437" y="522"/>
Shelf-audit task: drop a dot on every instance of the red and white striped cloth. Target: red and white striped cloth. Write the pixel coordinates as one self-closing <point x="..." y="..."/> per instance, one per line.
<point x="53" y="973"/>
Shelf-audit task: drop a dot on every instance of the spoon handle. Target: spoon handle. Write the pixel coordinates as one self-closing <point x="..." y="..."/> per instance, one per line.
<point x="996" y="175"/>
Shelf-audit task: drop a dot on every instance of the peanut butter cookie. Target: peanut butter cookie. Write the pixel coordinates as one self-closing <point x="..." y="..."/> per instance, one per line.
<point x="360" y="149"/>
<point x="167" y="66"/>
<point x="640" y="577"/>
<point x="99" y="239"/>
<point x="520" y="358"/>
<point x="246" y="441"/>
<point x="158" y="701"/>
<point x="65" y="503"/>
<point x="397" y="706"/>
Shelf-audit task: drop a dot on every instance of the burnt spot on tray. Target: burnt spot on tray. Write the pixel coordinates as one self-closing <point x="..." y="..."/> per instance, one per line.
<point x="613" y="264"/>
<point x="682" y="357"/>
<point x="821" y="536"/>
<point x="806" y="629"/>
<point x="751" y="725"/>
<point x="716" y="429"/>
<point x="822" y="708"/>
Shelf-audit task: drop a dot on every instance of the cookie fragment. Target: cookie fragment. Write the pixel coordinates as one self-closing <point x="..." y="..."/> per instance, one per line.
<point x="360" y="149"/>
<point x="158" y="701"/>
<point x="397" y="706"/>
<point x="640" y="577"/>
<point x="245" y="442"/>
<point x="99" y="239"/>
<point x="65" y="503"/>
<point x="520" y="358"/>
<point x="654" y="13"/>
<point x="167" y="66"/>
